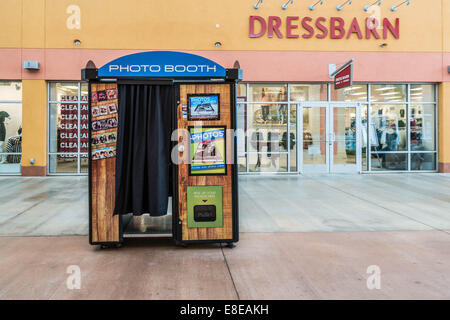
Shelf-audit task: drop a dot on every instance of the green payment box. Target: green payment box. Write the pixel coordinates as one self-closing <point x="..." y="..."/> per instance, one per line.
<point x="204" y="206"/>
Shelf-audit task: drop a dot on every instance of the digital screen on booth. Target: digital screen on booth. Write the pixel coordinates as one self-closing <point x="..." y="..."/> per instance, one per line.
<point x="203" y="107"/>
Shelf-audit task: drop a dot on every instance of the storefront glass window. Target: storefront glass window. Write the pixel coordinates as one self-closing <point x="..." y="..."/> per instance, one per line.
<point x="241" y="128"/>
<point x="422" y="93"/>
<point x="314" y="136"/>
<point x="397" y="133"/>
<point x="388" y="125"/>
<point x="404" y="137"/>
<point x="389" y="161"/>
<point x="10" y="127"/>
<point x="364" y="137"/>
<point x="267" y="93"/>
<point x="68" y="128"/>
<point x="308" y="92"/>
<point x="355" y="93"/>
<point x="423" y="161"/>
<point x="267" y="162"/>
<point x="422" y="124"/>
<point x="388" y="93"/>
<point x="292" y="138"/>
<point x="389" y="122"/>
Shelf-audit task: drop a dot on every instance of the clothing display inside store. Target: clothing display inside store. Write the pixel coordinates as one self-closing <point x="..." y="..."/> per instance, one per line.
<point x="11" y="144"/>
<point x="3" y="117"/>
<point x="350" y="138"/>
<point x="14" y="145"/>
<point x="391" y="137"/>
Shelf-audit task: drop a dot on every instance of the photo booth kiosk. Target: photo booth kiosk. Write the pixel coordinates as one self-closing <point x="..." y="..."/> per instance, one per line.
<point x="161" y="128"/>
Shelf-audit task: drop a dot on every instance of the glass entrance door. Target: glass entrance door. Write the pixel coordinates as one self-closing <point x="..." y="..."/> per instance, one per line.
<point x="344" y="142"/>
<point x="331" y="137"/>
<point x="314" y="151"/>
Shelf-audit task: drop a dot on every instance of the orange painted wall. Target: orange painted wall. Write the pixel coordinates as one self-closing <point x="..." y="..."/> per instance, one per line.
<point x="34" y="126"/>
<point x="198" y="24"/>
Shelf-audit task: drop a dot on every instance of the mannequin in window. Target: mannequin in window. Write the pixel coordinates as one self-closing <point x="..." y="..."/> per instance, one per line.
<point x="256" y="143"/>
<point x="265" y="108"/>
<point x="390" y="141"/>
<point x="4" y="116"/>
<point x="14" y="145"/>
<point x="281" y="110"/>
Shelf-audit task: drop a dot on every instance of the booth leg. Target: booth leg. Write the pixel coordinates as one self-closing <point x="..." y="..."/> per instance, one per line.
<point x="231" y="245"/>
<point x="180" y="244"/>
<point x="109" y="246"/>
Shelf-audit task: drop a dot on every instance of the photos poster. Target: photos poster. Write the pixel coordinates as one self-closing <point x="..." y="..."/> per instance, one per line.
<point x="204" y="107"/>
<point x="207" y="150"/>
<point x="104" y="122"/>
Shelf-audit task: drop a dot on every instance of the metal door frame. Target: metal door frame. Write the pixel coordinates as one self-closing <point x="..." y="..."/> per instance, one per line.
<point x="328" y="167"/>
<point x="345" y="168"/>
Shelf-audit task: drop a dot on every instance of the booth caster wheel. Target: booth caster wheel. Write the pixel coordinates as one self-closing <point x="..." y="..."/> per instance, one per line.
<point x="109" y="246"/>
<point x="181" y="244"/>
<point x="231" y="245"/>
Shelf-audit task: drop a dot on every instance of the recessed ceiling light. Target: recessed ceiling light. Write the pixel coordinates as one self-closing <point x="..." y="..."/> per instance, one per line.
<point x="351" y="88"/>
<point x="385" y="88"/>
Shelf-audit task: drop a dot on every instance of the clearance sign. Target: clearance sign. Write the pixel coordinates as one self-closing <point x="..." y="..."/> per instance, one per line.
<point x="292" y="27"/>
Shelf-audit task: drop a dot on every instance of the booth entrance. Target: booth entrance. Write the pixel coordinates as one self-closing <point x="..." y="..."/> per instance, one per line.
<point x="331" y="137"/>
<point x="162" y="148"/>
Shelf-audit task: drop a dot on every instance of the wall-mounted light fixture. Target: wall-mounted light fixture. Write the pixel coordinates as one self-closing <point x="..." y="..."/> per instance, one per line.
<point x="378" y="2"/>
<point x="408" y="2"/>
<point x="256" y="5"/>
<point x="285" y="5"/>
<point x="77" y="42"/>
<point x="218" y="44"/>
<point x="341" y="6"/>
<point x="383" y="45"/>
<point x="313" y="6"/>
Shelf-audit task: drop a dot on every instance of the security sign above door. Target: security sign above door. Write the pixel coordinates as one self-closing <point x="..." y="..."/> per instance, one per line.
<point x="165" y="64"/>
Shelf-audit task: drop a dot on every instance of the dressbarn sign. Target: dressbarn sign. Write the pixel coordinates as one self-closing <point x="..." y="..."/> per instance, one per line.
<point x="292" y="27"/>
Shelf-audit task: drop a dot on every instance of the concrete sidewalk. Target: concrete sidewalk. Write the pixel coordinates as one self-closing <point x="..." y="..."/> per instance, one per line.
<point x="43" y="206"/>
<point x="343" y="202"/>
<point x="322" y="203"/>
<point x="413" y="265"/>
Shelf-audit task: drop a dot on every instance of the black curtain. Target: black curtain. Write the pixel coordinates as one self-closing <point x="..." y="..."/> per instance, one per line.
<point x="143" y="167"/>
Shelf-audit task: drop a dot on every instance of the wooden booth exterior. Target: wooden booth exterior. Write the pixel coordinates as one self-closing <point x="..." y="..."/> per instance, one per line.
<point x="204" y="195"/>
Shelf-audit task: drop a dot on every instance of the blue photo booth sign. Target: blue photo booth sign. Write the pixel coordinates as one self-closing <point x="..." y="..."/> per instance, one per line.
<point x="167" y="64"/>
